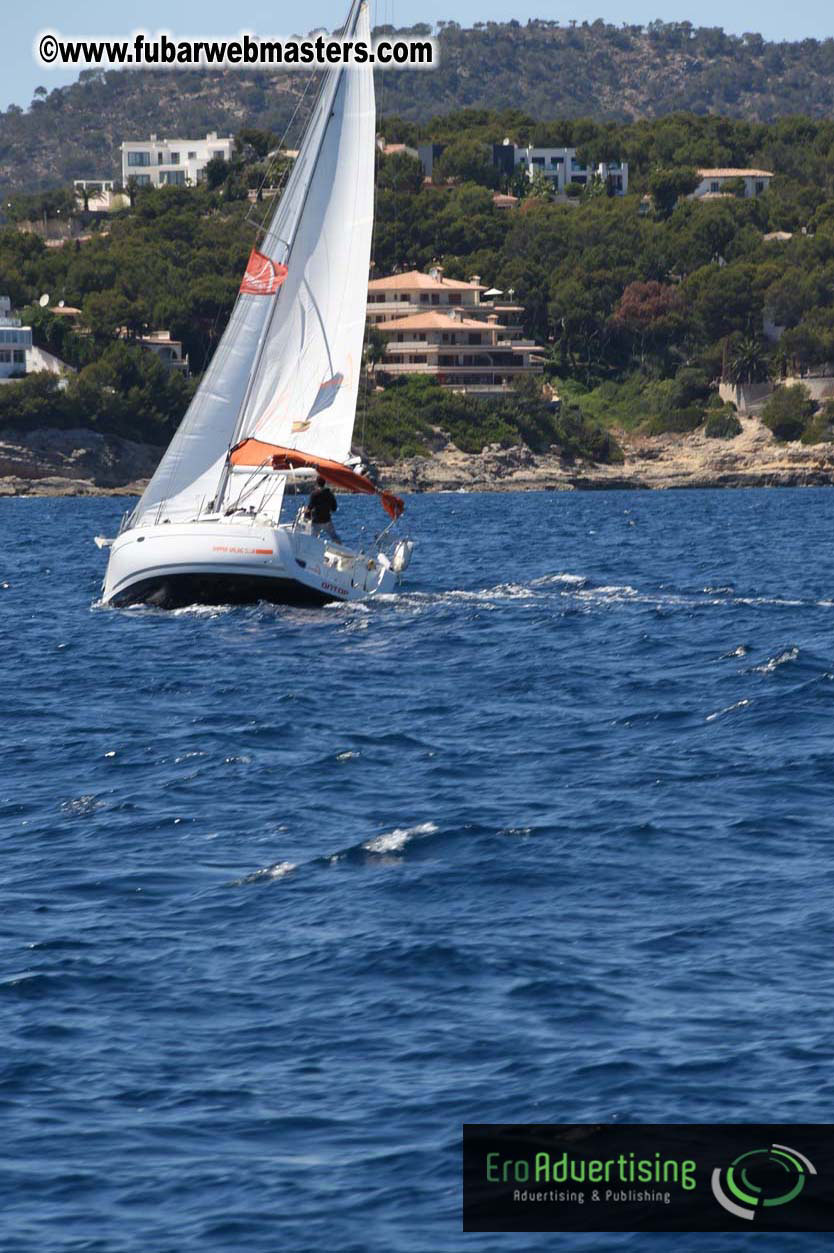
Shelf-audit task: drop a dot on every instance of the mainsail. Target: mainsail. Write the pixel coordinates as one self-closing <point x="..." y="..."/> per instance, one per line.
<point x="287" y="368"/>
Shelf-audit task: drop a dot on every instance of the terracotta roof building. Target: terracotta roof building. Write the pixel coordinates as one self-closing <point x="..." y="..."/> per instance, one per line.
<point x="466" y="353"/>
<point x="432" y="314"/>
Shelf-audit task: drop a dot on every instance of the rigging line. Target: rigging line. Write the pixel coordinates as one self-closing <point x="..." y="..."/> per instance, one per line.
<point x="260" y="226"/>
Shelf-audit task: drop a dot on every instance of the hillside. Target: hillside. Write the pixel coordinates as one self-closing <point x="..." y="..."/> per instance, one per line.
<point x="545" y="70"/>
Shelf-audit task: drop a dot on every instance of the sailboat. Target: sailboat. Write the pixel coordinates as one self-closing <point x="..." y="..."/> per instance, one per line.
<point x="277" y="403"/>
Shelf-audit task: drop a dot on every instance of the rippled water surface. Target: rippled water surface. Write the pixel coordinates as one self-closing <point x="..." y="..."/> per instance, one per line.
<point x="288" y="895"/>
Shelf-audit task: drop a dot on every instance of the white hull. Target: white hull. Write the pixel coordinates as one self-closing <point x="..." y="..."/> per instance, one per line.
<point x="239" y="561"/>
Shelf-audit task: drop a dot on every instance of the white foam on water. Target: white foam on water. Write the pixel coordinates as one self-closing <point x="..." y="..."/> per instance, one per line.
<point x="81" y="806"/>
<point x="348" y="755"/>
<point x="570" y="580"/>
<point x="615" y="592"/>
<point x="277" y="871"/>
<point x="790" y="654"/>
<point x="502" y="591"/>
<point x="200" y="611"/>
<point x="740" y="704"/>
<point x="396" y="840"/>
<point x="280" y="869"/>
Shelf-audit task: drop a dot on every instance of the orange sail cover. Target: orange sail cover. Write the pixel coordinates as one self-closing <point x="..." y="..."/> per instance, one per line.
<point x="254" y="452"/>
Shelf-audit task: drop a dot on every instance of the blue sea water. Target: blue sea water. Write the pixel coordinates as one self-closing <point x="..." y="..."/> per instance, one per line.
<point x="288" y="895"/>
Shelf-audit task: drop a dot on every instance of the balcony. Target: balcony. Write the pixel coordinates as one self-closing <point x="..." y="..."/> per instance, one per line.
<point x="481" y="367"/>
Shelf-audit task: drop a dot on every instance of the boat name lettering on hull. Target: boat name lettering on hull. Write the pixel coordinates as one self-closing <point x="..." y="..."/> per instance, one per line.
<point x="230" y="548"/>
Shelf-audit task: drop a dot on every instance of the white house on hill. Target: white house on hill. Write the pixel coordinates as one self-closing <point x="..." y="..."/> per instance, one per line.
<point x="15" y="341"/>
<point x="172" y="162"/>
<point x="714" y="182"/>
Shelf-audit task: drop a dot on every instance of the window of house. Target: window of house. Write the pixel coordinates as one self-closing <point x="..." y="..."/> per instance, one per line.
<point x="445" y="337"/>
<point x="143" y="180"/>
<point x="539" y="161"/>
<point x="174" y="178"/>
<point x="399" y="337"/>
<point x="192" y="156"/>
<point x="5" y="354"/>
<point x="19" y="356"/>
<point x="138" y="158"/>
<point x="759" y="188"/>
<point x="474" y="337"/>
<point x="173" y="158"/>
<point x="556" y="161"/>
<point x="435" y="298"/>
<point x="160" y="157"/>
<point x="715" y="185"/>
<point x="218" y="152"/>
<point x="454" y="297"/>
<point x="424" y="298"/>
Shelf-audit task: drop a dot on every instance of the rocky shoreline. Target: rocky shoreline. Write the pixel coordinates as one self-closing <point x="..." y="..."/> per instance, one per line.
<point x="85" y="463"/>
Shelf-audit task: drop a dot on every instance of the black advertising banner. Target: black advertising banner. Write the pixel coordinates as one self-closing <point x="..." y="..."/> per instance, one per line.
<point x="648" y="1177"/>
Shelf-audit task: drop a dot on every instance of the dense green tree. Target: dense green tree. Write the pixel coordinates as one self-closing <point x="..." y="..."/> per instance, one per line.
<point x="466" y="161"/>
<point x="667" y="185"/>
<point x="788" y="411"/>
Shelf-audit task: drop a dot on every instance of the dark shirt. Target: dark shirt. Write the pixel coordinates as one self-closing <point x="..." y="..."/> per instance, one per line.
<point x="321" y="505"/>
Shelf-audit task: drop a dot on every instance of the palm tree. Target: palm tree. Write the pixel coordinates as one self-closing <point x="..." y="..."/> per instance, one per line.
<point x="374" y="349"/>
<point x="748" y="361"/>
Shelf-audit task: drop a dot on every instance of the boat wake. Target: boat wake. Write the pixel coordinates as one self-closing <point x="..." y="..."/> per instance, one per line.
<point x="569" y="591"/>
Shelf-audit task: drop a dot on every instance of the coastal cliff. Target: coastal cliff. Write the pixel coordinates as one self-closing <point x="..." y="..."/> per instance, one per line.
<point x="85" y="463"/>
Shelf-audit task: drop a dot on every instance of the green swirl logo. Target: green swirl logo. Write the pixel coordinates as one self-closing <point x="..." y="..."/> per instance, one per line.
<point x="761" y="1178"/>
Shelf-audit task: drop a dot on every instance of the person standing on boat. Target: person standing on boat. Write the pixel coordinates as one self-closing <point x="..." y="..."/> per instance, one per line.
<point x="320" y="509"/>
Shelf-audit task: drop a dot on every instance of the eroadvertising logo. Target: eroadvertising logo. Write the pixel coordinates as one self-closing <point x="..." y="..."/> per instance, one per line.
<point x="648" y="1177"/>
<point x="767" y="1177"/>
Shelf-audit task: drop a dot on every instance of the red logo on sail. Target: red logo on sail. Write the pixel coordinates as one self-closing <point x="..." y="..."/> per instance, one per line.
<point x="263" y="277"/>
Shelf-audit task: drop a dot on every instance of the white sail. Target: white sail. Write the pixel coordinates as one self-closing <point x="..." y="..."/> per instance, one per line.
<point x="287" y="366"/>
<point x="307" y="378"/>
<point x="190" y="468"/>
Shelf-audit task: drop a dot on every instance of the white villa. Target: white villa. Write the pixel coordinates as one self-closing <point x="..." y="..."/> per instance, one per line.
<point x="714" y="182"/>
<point x="178" y="162"/>
<point x="562" y="167"/>
<point x="466" y="336"/>
<point x="15" y="341"/>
